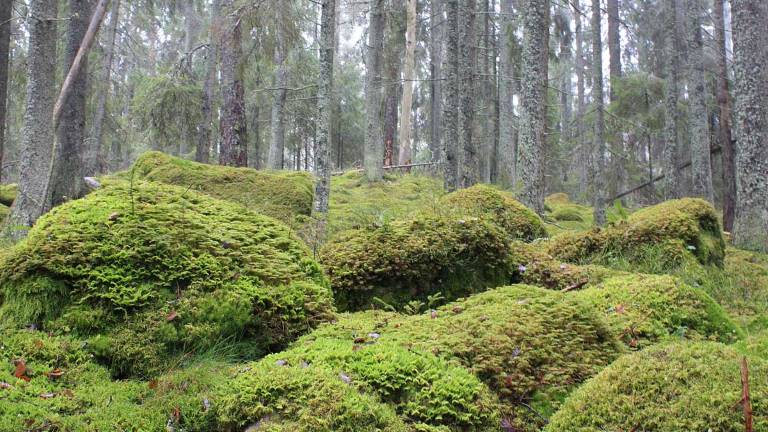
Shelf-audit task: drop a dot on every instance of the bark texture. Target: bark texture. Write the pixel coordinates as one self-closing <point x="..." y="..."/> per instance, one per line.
<point x="436" y="36"/>
<point x="451" y="109"/>
<point x="93" y="150"/>
<point x="598" y="175"/>
<point x="724" y="129"/>
<point x="467" y="62"/>
<point x="324" y="108"/>
<point x="277" y="123"/>
<point x="374" y="149"/>
<point x="671" y="162"/>
<point x="507" y="137"/>
<point x="203" y="148"/>
<point x="234" y="151"/>
<point x="409" y="74"/>
<point x="5" y="41"/>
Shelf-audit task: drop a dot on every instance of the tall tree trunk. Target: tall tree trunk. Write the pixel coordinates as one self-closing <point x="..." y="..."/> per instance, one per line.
<point x="5" y="43"/>
<point x="614" y="58"/>
<point x="698" y="119"/>
<point x="451" y="109"/>
<point x="393" y="56"/>
<point x="487" y="83"/>
<point x="436" y="35"/>
<point x="507" y="138"/>
<point x="37" y="133"/>
<point x="533" y="103"/>
<point x="324" y="104"/>
<point x="750" y="53"/>
<point x="566" y="66"/>
<point x="584" y="154"/>
<point x="277" y="123"/>
<point x="597" y="89"/>
<point x="93" y="149"/>
<point x="467" y="61"/>
<point x="234" y="151"/>
<point x="672" y="187"/>
<point x="203" y="148"/>
<point x="404" y="157"/>
<point x="373" y="144"/>
<point x="724" y="130"/>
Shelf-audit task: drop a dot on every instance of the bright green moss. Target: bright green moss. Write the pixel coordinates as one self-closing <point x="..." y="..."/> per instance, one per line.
<point x="414" y="258"/>
<point x="8" y="193"/>
<point x="498" y="207"/>
<point x="151" y="270"/>
<point x="755" y="345"/>
<point x="643" y="309"/>
<point x="280" y="194"/>
<point x="668" y="388"/>
<point x="567" y="214"/>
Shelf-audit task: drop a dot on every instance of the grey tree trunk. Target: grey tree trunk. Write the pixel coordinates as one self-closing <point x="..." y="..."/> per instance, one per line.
<point x="698" y="118"/>
<point x="409" y="74"/>
<point x="203" y="148"/>
<point x="566" y="65"/>
<point x="724" y="129"/>
<point x="507" y="138"/>
<point x="277" y="123"/>
<point x="67" y="176"/>
<point x="584" y="149"/>
<point x="451" y="88"/>
<point x="467" y="63"/>
<point x="93" y="149"/>
<point x="598" y="173"/>
<point x="5" y="42"/>
<point x="533" y="103"/>
<point x="672" y="187"/>
<point x="614" y="58"/>
<point x="234" y="150"/>
<point x="488" y="120"/>
<point x="37" y="133"/>
<point x="750" y="228"/>
<point x="374" y="149"/>
<point x="436" y="35"/>
<point x="394" y="49"/>
<point x="324" y="108"/>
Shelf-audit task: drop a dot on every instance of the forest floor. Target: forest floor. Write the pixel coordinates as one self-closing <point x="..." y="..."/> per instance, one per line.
<point x="188" y="297"/>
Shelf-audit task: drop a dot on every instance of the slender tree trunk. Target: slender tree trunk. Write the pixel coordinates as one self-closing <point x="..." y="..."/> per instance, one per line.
<point x="672" y="188"/>
<point x="37" y="133"/>
<point x="467" y="63"/>
<point x="724" y="130"/>
<point x="508" y="143"/>
<point x="5" y="42"/>
<point x="614" y="58"/>
<point x="203" y="148"/>
<point x="277" y="124"/>
<point x="324" y="104"/>
<point x="597" y="88"/>
<point x="393" y="56"/>
<point x="94" y="147"/>
<point x="584" y="153"/>
<point x="750" y="53"/>
<point x="451" y="109"/>
<point x="373" y="144"/>
<point x="404" y="157"/>
<point x="566" y="65"/>
<point x="436" y="84"/>
<point x="533" y="103"/>
<point x="488" y="100"/>
<point x="234" y="151"/>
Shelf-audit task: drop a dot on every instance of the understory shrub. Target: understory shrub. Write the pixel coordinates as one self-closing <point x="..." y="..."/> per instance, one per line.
<point x="146" y="270"/>
<point x="683" y="386"/>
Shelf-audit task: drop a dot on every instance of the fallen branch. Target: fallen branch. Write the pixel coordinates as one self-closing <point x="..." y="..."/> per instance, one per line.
<point x="745" y="403"/>
<point x="390" y="167"/>
<point x="577" y="285"/>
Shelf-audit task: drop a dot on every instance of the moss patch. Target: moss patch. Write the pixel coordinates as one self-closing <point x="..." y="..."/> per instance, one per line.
<point x="672" y="387"/>
<point x="150" y="270"/>
<point x="8" y="194"/>
<point x="280" y="194"/>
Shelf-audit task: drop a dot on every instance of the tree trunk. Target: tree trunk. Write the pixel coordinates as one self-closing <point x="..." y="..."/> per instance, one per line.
<point x="698" y="124"/>
<point x="724" y="130"/>
<point x="488" y="100"/>
<point x="404" y="157"/>
<point x="672" y="188"/>
<point x="5" y="42"/>
<point x="94" y="147"/>
<point x="614" y="58"/>
<point x="277" y="123"/>
<point x="508" y="143"/>
<point x="750" y="228"/>
<point x="436" y="84"/>
<point x="324" y="108"/>
<point x="566" y="65"/>
<point x="373" y="144"/>
<point x="234" y="151"/>
<point x="584" y="154"/>
<point x="393" y="54"/>
<point x="203" y="148"/>
<point x="451" y="109"/>
<point x="598" y="173"/>
<point x="37" y="133"/>
<point x="533" y="103"/>
<point x="467" y="61"/>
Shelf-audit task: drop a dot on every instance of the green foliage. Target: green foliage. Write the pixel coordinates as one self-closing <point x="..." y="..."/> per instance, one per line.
<point x="755" y="345"/>
<point x="149" y="270"/>
<point x="413" y="258"/>
<point x="674" y="387"/>
<point x="8" y="194"/>
<point x="280" y="194"/>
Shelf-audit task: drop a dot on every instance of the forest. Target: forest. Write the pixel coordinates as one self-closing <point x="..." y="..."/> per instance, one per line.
<point x="384" y="215"/>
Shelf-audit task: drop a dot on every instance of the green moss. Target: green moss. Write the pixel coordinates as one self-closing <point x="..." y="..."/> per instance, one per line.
<point x="498" y="207"/>
<point x="280" y="194"/>
<point x="414" y="258"/>
<point x="668" y="388"/>
<point x="8" y="193"/>
<point x="155" y="269"/>
<point x="568" y="214"/>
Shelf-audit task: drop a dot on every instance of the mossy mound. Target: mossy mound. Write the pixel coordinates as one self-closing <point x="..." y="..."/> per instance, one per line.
<point x="486" y="202"/>
<point x="146" y="270"/>
<point x="668" y="388"/>
<point x="280" y="194"/>
<point x="414" y="258"/>
<point x="531" y="346"/>
<point x="643" y="309"/>
<point x="8" y="194"/>
<point x="679" y="227"/>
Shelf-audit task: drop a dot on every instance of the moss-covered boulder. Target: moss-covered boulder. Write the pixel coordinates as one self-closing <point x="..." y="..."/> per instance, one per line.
<point x="668" y="388"/>
<point x="148" y="270"/>
<point x="8" y="193"/>
<point x="280" y="194"/>
<point x="413" y="258"/>
<point x="497" y="206"/>
<point x="673" y="229"/>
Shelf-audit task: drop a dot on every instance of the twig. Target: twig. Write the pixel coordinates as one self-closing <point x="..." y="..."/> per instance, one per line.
<point x="577" y="285"/>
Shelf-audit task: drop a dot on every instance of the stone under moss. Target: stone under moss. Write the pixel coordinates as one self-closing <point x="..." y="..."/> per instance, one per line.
<point x="684" y="386"/>
<point x="280" y="194"/>
<point x="147" y="271"/>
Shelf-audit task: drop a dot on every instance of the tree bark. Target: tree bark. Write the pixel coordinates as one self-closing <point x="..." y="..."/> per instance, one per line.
<point x="393" y="54"/>
<point x="672" y="187"/>
<point x="598" y="173"/>
<point x="584" y="154"/>
<point x="467" y="63"/>
<point x="277" y="123"/>
<point x="436" y="35"/>
<point x="724" y="129"/>
<point x="324" y="108"/>
<point x="5" y="43"/>
<point x="373" y="144"/>
<point x="93" y="149"/>
<point x="614" y="58"/>
<point x="37" y="133"/>
<point x="750" y="228"/>
<point x="203" y="148"/>
<point x="507" y="138"/>
<point x="533" y="102"/>
<point x="234" y="151"/>
<point x="566" y="66"/>
<point x="404" y="157"/>
<point x="451" y="108"/>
